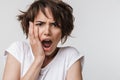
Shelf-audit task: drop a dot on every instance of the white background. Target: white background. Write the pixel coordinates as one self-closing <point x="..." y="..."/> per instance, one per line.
<point x="96" y="34"/>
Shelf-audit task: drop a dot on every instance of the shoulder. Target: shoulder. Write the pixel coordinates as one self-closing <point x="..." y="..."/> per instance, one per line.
<point x="17" y="49"/>
<point x="19" y="45"/>
<point x="70" y="50"/>
<point x="71" y="55"/>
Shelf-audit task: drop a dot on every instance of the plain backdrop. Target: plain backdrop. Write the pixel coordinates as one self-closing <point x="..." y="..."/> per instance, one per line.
<point x="96" y="34"/>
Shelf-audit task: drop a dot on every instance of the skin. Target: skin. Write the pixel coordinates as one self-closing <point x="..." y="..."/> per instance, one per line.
<point x="42" y="28"/>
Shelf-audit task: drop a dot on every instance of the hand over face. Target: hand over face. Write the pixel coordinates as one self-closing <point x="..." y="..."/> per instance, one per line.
<point x="35" y="43"/>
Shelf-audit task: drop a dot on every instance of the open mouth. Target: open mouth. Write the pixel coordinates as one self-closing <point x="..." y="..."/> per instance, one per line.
<point x="46" y="43"/>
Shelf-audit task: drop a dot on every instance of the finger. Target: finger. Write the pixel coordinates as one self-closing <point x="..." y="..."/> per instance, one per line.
<point x="31" y="31"/>
<point x="36" y="32"/>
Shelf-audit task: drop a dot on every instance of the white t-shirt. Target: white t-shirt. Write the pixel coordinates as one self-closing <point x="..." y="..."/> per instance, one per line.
<point x="55" y="70"/>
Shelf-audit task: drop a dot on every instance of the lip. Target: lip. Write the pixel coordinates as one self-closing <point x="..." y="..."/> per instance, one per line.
<point x="49" y="48"/>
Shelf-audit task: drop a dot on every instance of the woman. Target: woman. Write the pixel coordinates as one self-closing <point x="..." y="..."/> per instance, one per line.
<point x="45" y="23"/>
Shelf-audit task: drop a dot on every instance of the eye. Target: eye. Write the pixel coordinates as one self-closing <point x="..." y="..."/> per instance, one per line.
<point x="39" y="24"/>
<point x="54" y="24"/>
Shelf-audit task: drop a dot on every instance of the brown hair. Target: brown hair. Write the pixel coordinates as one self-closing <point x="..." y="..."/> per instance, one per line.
<point x="61" y="11"/>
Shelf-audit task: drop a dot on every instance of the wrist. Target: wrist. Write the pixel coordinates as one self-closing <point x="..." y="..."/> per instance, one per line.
<point x="39" y="60"/>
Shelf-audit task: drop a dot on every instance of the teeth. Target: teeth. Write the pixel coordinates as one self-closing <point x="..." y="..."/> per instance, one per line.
<point x="46" y="40"/>
<point x="46" y="43"/>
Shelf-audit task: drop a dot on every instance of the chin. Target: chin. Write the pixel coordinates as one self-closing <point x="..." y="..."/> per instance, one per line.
<point x="48" y="53"/>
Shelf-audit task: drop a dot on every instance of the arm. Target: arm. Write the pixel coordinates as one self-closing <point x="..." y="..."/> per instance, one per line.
<point x="33" y="71"/>
<point x="38" y="52"/>
<point x="75" y="71"/>
<point x="12" y="69"/>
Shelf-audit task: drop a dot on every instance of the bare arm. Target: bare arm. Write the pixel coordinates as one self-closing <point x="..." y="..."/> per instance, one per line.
<point x="75" y="71"/>
<point x="12" y="69"/>
<point x="33" y="71"/>
<point x="38" y="52"/>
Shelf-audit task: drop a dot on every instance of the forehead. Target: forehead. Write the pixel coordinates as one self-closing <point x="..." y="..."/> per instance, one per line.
<point x="46" y="14"/>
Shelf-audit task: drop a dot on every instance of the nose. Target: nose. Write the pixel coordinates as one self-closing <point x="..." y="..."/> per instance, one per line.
<point x="47" y="31"/>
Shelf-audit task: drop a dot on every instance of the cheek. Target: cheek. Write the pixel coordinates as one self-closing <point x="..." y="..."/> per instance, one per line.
<point x="58" y="36"/>
<point x="39" y="33"/>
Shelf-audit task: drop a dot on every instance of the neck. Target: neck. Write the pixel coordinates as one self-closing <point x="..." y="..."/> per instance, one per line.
<point x="48" y="59"/>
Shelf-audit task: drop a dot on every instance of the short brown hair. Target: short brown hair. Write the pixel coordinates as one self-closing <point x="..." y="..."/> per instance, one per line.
<point x="61" y="11"/>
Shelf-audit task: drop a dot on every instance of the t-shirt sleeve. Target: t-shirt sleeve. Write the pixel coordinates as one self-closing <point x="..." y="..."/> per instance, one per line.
<point x="15" y="50"/>
<point x="74" y="55"/>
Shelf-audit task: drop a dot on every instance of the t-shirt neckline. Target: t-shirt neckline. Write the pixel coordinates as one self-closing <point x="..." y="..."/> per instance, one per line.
<point x="51" y="62"/>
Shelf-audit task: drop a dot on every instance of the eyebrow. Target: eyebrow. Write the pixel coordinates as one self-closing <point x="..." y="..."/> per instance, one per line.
<point x="44" y="21"/>
<point x="39" y="21"/>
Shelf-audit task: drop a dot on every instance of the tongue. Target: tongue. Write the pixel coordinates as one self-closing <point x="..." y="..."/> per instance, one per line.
<point x="46" y="45"/>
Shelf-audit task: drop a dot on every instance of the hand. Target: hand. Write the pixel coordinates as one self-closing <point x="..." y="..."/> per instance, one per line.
<point x="35" y="43"/>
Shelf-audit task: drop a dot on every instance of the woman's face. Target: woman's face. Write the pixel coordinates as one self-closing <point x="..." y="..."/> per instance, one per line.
<point x="49" y="32"/>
